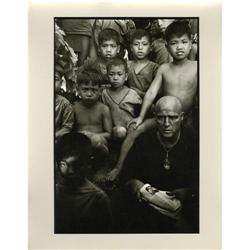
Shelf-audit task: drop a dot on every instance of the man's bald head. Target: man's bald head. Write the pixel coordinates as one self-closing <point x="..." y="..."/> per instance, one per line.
<point x="169" y="103"/>
<point x="168" y="116"/>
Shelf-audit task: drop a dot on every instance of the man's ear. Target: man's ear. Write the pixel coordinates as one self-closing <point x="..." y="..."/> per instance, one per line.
<point x="181" y="116"/>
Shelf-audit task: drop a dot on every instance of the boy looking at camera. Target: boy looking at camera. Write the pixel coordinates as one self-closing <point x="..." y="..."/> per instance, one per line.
<point x="92" y="117"/>
<point x="109" y="47"/>
<point x="141" y="70"/>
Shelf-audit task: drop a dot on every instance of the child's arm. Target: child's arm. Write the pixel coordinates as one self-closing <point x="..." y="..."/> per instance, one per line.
<point x="107" y="122"/>
<point x="149" y="97"/>
<point x="67" y="121"/>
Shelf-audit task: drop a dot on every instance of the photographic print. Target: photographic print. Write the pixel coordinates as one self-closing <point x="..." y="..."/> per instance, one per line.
<point x="124" y="125"/>
<point x="126" y="120"/>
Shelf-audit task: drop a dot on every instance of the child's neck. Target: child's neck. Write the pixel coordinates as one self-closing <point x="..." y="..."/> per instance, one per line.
<point x="141" y="61"/>
<point x="88" y="105"/>
<point x="117" y="89"/>
<point x="180" y="62"/>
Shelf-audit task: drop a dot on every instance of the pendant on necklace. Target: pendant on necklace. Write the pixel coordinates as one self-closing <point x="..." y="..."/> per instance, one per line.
<point x="166" y="164"/>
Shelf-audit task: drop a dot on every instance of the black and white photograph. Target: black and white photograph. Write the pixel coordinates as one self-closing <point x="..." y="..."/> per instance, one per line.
<point x="126" y="125"/>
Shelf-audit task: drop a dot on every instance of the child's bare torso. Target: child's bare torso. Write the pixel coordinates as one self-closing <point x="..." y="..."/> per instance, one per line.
<point x="180" y="81"/>
<point x="89" y="118"/>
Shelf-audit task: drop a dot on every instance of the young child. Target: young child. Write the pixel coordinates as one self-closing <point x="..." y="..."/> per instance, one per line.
<point x="64" y="115"/>
<point x="80" y="206"/>
<point x="122" y="101"/>
<point x="178" y="78"/>
<point x="109" y="47"/>
<point x="141" y="70"/>
<point x="92" y="117"/>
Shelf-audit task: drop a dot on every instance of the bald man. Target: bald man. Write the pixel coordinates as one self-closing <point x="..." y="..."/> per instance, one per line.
<point x="162" y="171"/>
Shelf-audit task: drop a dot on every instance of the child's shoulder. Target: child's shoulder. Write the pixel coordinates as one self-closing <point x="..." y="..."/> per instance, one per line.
<point x="165" y="66"/>
<point x="102" y="107"/>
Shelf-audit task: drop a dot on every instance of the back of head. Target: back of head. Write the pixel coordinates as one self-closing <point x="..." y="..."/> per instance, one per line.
<point x="89" y="78"/>
<point x="178" y="28"/>
<point x="117" y="62"/>
<point x="138" y="34"/>
<point x="107" y="35"/>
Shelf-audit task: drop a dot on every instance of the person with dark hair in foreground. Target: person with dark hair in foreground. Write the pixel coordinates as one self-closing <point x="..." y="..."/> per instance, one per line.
<point x="80" y="206"/>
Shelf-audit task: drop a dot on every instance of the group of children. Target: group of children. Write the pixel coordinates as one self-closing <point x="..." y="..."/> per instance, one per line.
<point x="117" y="95"/>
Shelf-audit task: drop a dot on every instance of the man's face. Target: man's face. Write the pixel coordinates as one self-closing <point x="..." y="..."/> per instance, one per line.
<point x="117" y="76"/>
<point x="168" y="121"/>
<point x="109" y="49"/>
<point x="141" y="48"/>
<point x="89" y="93"/>
<point x="179" y="47"/>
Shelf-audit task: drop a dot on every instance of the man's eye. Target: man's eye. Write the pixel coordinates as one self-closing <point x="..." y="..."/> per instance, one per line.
<point x="145" y="44"/>
<point x="113" y="46"/>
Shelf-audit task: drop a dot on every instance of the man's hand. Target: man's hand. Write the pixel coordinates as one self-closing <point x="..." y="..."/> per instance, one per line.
<point x="136" y="122"/>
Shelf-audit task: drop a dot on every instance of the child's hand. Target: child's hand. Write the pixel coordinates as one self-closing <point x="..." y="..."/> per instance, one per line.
<point x="136" y="122"/>
<point x="112" y="175"/>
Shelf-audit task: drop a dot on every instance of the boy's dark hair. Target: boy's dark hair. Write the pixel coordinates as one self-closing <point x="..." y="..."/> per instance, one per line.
<point x="107" y="35"/>
<point x="74" y="144"/>
<point x="117" y="62"/>
<point x="89" y="77"/>
<point x="138" y="34"/>
<point x="178" y="28"/>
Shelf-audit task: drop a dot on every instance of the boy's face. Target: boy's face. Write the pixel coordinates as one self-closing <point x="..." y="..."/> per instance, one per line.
<point x="179" y="47"/>
<point x="141" y="48"/>
<point x="89" y="93"/>
<point x="70" y="167"/>
<point x="58" y="82"/>
<point x="109" y="49"/>
<point x="117" y="76"/>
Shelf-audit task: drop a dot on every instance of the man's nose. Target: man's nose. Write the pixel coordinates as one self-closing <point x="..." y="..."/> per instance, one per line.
<point x="108" y="48"/>
<point x="140" y="46"/>
<point x="166" y="121"/>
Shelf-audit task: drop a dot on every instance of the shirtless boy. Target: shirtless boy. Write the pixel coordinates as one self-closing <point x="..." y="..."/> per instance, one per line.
<point x="91" y="116"/>
<point x="178" y="78"/>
